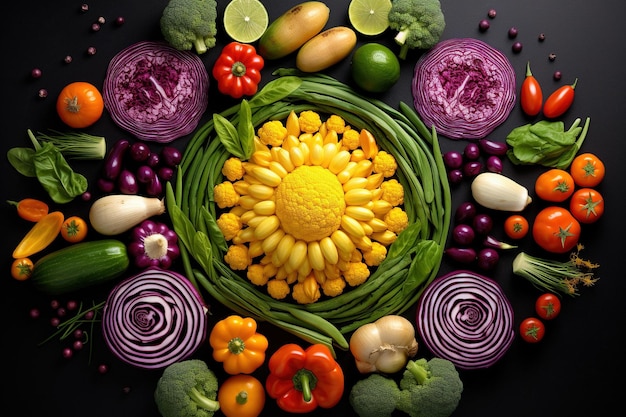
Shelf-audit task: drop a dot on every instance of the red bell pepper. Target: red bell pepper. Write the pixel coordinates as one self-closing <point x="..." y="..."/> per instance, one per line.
<point x="238" y="70"/>
<point x="301" y="380"/>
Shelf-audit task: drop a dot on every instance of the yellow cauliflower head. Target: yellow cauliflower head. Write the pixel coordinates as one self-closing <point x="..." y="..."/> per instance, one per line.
<point x="385" y="163"/>
<point x="272" y="133"/>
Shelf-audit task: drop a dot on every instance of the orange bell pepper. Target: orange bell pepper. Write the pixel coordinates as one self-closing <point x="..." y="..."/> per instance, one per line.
<point x="237" y="344"/>
<point x="241" y="396"/>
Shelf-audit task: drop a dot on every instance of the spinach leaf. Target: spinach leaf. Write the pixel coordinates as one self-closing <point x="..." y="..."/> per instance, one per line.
<point x="56" y="175"/>
<point x="22" y="160"/>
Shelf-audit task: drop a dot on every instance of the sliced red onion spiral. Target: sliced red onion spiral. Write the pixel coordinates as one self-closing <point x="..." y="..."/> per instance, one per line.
<point x="154" y="319"/>
<point x="466" y="318"/>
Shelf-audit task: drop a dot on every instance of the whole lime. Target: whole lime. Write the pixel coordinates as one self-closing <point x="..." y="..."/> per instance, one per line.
<point x="374" y="67"/>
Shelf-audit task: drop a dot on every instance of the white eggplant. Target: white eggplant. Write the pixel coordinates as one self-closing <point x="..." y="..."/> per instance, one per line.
<point x="499" y="192"/>
<point x="114" y="214"/>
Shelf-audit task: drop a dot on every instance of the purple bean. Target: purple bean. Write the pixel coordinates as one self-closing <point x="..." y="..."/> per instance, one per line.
<point x="154" y="188"/>
<point x="491" y="147"/>
<point x="455" y="176"/>
<point x="487" y="258"/>
<point x="471" y="151"/>
<point x="171" y="156"/>
<point x="453" y="159"/>
<point x="145" y="174"/>
<point x="465" y="212"/>
<point x="165" y="173"/>
<point x="462" y="255"/>
<point x="106" y="185"/>
<point x="127" y="182"/>
<point x="494" y="164"/>
<point x="472" y="168"/>
<point x="139" y="151"/>
<point x="463" y="234"/>
<point x="482" y="224"/>
<point x="113" y="163"/>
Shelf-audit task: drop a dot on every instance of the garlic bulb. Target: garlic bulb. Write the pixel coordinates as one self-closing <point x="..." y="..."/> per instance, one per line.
<point x="499" y="192"/>
<point x="114" y="214"/>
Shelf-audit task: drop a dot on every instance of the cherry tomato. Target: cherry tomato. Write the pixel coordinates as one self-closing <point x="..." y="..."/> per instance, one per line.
<point x="587" y="170"/>
<point x="548" y="306"/>
<point x="559" y="101"/>
<point x="241" y="396"/>
<point x="556" y="230"/>
<point x="74" y="229"/>
<point x="80" y="104"/>
<point x="586" y="205"/>
<point x="532" y="330"/>
<point x="555" y="185"/>
<point x="531" y="96"/>
<point x="22" y="269"/>
<point x="516" y="226"/>
<point x="31" y="209"/>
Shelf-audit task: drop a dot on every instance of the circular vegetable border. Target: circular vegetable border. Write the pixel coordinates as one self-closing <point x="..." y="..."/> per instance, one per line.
<point x="412" y="261"/>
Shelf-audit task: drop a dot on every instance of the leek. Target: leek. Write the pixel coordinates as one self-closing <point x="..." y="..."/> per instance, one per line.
<point x="75" y="145"/>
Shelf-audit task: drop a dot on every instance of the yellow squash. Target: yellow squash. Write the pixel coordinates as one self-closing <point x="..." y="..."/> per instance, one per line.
<point x="40" y="235"/>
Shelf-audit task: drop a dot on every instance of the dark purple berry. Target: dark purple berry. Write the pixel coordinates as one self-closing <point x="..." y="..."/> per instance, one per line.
<point x="512" y="33"/>
<point x="95" y="27"/>
<point x="42" y="93"/>
<point x="483" y="25"/>
<point x="103" y="369"/>
<point x="67" y="353"/>
<point x="552" y="56"/>
<point x="541" y="37"/>
<point x="84" y="7"/>
<point x="557" y="75"/>
<point x="91" y="50"/>
<point x="491" y="13"/>
<point x="36" y="73"/>
<point x="517" y="47"/>
<point x="67" y="59"/>
<point x="119" y="21"/>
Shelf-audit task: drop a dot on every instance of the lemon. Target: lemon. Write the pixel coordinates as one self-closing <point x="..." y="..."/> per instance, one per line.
<point x="369" y="17"/>
<point x="245" y="20"/>
<point x="374" y="67"/>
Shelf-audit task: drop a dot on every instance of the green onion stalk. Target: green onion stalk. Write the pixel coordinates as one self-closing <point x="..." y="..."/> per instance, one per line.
<point x="74" y="145"/>
<point x="412" y="261"/>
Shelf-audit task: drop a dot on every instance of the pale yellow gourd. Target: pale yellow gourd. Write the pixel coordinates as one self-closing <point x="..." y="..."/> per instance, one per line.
<point x="499" y="192"/>
<point x="114" y="214"/>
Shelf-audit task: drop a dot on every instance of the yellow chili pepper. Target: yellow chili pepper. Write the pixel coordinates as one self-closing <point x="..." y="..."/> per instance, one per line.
<point x="237" y="344"/>
<point x="40" y="235"/>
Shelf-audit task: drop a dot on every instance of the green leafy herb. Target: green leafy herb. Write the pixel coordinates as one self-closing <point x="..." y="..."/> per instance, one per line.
<point x="546" y="143"/>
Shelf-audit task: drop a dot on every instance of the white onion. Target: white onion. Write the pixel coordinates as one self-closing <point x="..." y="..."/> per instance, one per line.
<point x="466" y="318"/>
<point x="464" y="88"/>
<point x="154" y="319"/>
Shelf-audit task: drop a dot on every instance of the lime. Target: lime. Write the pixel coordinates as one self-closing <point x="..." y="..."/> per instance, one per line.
<point x="369" y="17"/>
<point x="245" y="20"/>
<point x="374" y="67"/>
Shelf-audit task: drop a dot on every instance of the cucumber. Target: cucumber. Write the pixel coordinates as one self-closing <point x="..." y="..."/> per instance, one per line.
<point x="79" y="266"/>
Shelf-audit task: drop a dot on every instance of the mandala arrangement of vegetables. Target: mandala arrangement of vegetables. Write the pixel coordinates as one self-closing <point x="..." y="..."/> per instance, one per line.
<point x="312" y="207"/>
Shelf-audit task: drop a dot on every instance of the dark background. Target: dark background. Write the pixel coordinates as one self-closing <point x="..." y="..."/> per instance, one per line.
<point x="575" y="371"/>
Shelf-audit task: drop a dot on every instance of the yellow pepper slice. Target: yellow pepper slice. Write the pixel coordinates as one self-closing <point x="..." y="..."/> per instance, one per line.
<point x="40" y="235"/>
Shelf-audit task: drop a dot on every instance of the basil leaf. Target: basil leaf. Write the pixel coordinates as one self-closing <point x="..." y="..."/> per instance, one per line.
<point x="245" y="130"/>
<point x="275" y="90"/>
<point x="227" y="134"/>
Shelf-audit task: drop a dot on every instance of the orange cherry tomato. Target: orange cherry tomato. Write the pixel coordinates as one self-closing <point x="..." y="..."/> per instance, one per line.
<point x="516" y="226"/>
<point x="555" y="185"/>
<point x="556" y="230"/>
<point x="241" y="396"/>
<point x="587" y="170"/>
<point x="74" y="229"/>
<point x="80" y="104"/>
<point x="22" y="269"/>
<point x="587" y="205"/>
<point x="531" y="96"/>
<point x="31" y="209"/>
<point x="559" y="101"/>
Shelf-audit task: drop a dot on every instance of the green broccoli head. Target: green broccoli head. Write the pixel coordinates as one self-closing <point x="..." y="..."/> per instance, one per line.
<point x="430" y="388"/>
<point x="187" y="389"/>
<point x="190" y="24"/>
<point x="374" y="396"/>
<point x="420" y="24"/>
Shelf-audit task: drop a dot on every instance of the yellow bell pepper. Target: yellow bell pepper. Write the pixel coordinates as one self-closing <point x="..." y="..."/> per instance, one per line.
<point x="237" y="344"/>
<point x="40" y="235"/>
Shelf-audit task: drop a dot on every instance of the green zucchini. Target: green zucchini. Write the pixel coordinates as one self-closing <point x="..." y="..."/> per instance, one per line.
<point x="79" y="266"/>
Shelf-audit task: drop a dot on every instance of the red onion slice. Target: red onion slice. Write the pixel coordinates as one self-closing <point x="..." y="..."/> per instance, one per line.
<point x="156" y="92"/>
<point x="154" y="319"/>
<point x="466" y="318"/>
<point x="464" y="87"/>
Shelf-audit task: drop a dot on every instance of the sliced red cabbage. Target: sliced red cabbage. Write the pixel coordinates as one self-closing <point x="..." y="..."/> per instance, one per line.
<point x="154" y="319"/>
<point x="464" y="87"/>
<point x="466" y="318"/>
<point x="156" y="92"/>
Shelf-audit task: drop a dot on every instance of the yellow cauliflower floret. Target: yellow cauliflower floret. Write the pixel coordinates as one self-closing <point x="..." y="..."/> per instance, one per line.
<point x="393" y="192"/>
<point x="396" y="220"/>
<point x="237" y="257"/>
<point x="309" y="121"/>
<point x="333" y="287"/>
<point x="272" y="133"/>
<point x="256" y="274"/>
<point x="385" y="164"/>
<point x="233" y="169"/>
<point x="230" y="224"/>
<point x="225" y="195"/>
<point x="336" y="123"/>
<point x="307" y="291"/>
<point x="350" y="139"/>
<point x="356" y="274"/>
<point x="376" y="255"/>
<point x="278" y="288"/>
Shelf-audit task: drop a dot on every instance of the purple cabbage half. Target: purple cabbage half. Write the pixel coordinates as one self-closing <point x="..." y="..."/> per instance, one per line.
<point x="154" y="319"/>
<point x="156" y="92"/>
<point x="466" y="318"/>
<point x="464" y="88"/>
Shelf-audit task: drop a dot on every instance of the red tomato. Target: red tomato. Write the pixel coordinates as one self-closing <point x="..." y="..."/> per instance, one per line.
<point x="586" y="205"/>
<point x="516" y="226"/>
<point x="531" y="96"/>
<point x="556" y="230"/>
<point x="587" y="170"/>
<point x="555" y="185"/>
<point x="532" y="330"/>
<point x="559" y="101"/>
<point x="548" y="306"/>
<point x="80" y="104"/>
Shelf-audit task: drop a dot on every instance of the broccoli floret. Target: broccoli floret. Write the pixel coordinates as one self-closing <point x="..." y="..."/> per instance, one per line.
<point x="374" y="396"/>
<point x="420" y="24"/>
<point x="190" y="24"/>
<point x="430" y="388"/>
<point x="187" y="389"/>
